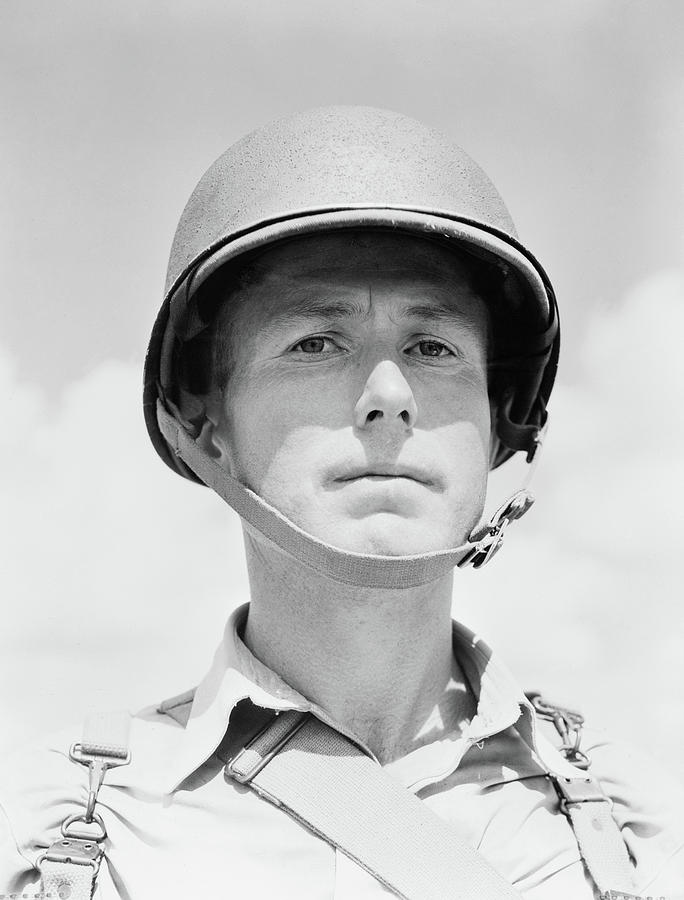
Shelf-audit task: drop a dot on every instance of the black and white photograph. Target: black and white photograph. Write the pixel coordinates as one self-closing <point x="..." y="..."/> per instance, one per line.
<point x="342" y="480"/>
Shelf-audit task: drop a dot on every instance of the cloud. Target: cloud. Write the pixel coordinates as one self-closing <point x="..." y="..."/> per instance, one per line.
<point x="587" y="596"/>
<point x="114" y="570"/>
<point x="117" y="575"/>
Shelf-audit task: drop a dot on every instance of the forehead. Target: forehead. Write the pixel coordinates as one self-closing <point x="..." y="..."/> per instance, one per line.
<point x="312" y="273"/>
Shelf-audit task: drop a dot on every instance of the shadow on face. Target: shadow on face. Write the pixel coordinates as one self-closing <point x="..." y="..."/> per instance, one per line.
<point x="350" y="389"/>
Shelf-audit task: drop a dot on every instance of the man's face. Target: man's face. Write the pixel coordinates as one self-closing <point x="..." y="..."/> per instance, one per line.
<point x="357" y="401"/>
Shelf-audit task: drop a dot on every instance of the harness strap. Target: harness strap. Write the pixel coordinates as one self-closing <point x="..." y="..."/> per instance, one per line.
<point x="327" y="783"/>
<point x="598" y="836"/>
<point x="70" y="866"/>
<point x="589" y="812"/>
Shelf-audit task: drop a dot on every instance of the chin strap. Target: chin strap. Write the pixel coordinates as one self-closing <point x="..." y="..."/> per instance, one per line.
<point x="359" y="569"/>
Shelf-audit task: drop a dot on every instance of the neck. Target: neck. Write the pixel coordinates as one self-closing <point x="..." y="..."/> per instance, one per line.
<point x="379" y="662"/>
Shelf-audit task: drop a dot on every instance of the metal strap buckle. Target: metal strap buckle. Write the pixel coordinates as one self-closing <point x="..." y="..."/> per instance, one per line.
<point x="572" y="791"/>
<point x="490" y="544"/>
<point x="262" y="749"/>
<point x="77" y="826"/>
<point x="568" y="723"/>
<point x="97" y="763"/>
<point x="74" y="850"/>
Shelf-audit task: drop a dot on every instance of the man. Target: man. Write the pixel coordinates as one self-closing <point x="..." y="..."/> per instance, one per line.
<point x="351" y="337"/>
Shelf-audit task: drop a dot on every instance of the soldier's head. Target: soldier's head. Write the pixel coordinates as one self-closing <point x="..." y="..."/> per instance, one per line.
<point x="353" y="331"/>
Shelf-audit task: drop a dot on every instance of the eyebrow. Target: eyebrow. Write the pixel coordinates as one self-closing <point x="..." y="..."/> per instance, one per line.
<point x="317" y="307"/>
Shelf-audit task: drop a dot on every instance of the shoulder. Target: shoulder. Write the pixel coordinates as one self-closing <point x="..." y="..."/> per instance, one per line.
<point x="647" y="803"/>
<point x="40" y="785"/>
<point x="648" y="806"/>
<point x="640" y="786"/>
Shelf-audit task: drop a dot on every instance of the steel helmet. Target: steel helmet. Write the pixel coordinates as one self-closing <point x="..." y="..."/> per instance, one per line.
<point x="354" y="167"/>
<point x="336" y="168"/>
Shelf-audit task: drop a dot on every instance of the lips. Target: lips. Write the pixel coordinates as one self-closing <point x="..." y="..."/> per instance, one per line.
<point x="383" y="471"/>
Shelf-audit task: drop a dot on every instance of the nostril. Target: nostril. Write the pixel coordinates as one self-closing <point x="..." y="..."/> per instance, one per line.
<point x="405" y="417"/>
<point x="374" y="414"/>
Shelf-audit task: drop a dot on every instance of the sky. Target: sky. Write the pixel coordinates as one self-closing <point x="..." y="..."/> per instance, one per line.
<point x="116" y="575"/>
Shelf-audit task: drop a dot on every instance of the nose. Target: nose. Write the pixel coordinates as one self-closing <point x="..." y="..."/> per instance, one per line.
<point x="387" y="398"/>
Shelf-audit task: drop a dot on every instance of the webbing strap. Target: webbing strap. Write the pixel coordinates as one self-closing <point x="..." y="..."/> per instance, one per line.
<point x="341" y="565"/>
<point x="106" y="734"/>
<point x="70" y="866"/>
<point x="326" y="782"/>
<point x="590" y="813"/>
<point x="359" y="569"/>
<point x="67" y="880"/>
<point x="601" y="845"/>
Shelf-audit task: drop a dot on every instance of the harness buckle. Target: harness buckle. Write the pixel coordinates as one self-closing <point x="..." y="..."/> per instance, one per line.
<point x="98" y="764"/>
<point x="573" y="791"/>
<point x="260" y="749"/>
<point x="93" y="830"/>
<point x="74" y="850"/>
<point x="568" y="723"/>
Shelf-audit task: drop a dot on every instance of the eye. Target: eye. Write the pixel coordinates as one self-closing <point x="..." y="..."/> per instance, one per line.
<point x="315" y="345"/>
<point x="431" y="348"/>
<point x="311" y="345"/>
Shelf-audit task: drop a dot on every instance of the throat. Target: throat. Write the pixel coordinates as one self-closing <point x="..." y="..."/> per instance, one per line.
<point x="378" y="662"/>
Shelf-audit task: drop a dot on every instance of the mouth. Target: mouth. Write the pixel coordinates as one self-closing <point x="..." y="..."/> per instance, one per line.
<point x="386" y="473"/>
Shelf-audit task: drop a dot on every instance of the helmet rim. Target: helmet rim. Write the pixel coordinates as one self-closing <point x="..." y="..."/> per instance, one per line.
<point x="431" y="224"/>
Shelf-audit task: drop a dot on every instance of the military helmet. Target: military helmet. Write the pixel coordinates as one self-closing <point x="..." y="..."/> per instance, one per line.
<point x="345" y="167"/>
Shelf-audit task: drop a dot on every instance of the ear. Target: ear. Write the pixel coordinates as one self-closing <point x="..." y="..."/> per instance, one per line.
<point x="202" y="415"/>
<point x="211" y="437"/>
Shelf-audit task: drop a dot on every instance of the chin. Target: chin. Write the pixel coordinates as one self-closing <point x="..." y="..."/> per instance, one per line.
<point x="389" y="535"/>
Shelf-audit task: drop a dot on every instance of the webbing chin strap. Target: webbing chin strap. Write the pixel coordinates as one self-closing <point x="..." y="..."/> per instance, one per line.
<point x="362" y="570"/>
<point x="69" y="867"/>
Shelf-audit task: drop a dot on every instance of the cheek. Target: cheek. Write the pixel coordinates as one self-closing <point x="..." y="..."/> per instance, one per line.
<point x="461" y="425"/>
<point x="274" y="433"/>
<point x="460" y="407"/>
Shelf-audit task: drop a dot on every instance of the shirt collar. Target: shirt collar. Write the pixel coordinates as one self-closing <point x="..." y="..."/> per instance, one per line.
<point x="236" y="674"/>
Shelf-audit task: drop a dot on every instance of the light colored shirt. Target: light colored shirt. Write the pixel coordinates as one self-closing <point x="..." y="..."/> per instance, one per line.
<point x="179" y="828"/>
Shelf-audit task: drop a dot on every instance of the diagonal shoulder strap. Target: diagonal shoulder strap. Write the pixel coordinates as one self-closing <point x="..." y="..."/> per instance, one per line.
<point x="322" y="779"/>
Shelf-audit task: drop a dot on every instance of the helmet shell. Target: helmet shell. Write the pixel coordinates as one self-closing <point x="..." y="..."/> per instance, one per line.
<point x="341" y="167"/>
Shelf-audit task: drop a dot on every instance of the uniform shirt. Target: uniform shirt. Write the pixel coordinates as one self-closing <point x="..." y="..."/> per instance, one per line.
<point x="179" y="828"/>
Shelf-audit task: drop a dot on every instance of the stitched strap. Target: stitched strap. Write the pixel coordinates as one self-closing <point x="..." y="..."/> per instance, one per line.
<point x="106" y="734"/>
<point x="590" y="813"/>
<point x="70" y="866"/>
<point x="67" y="880"/>
<point x="347" y="799"/>
<point x="341" y="565"/>
<point x="601" y="845"/>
